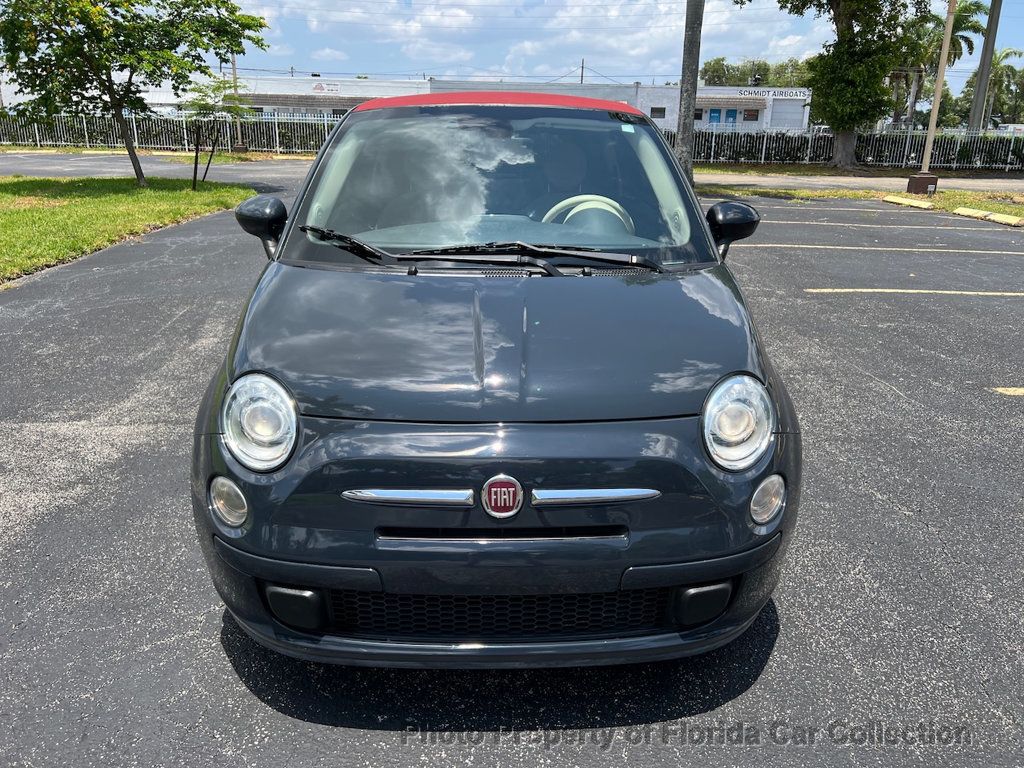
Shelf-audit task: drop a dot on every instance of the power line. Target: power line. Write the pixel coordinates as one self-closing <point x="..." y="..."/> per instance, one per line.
<point x="334" y="15"/>
<point x="528" y="14"/>
<point x="393" y="8"/>
<point x="606" y="77"/>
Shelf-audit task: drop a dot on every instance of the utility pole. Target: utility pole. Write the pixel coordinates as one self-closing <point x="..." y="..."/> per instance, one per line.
<point x="985" y="67"/>
<point x="239" y="145"/>
<point x="688" y="84"/>
<point x="925" y="182"/>
<point x="582" y="64"/>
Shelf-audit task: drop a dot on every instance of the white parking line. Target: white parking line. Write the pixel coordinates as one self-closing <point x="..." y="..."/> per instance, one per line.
<point x="807" y="207"/>
<point x="810" y="205"/>
<point x="922" y="249"/>
<point x="1011" y="391"/>
<point x="938" y="292"/>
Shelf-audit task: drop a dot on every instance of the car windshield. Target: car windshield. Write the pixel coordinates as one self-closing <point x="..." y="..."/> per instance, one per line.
<point x="415" y="178"/>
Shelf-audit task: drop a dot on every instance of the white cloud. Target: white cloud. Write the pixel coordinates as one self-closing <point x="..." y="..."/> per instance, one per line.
<point x="329" y="54"/>
<point x="638" y="39"/>
<point x="440" y="53"/>
<point x="280" y="50"/>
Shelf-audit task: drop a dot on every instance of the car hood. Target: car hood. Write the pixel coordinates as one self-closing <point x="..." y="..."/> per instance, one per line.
<point x="477" y="348"/>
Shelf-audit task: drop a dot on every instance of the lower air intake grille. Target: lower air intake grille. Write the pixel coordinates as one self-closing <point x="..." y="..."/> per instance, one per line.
<point x="508" y="617"/>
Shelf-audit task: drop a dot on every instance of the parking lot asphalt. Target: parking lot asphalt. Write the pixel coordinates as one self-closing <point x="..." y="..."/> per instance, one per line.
<point x="901" y="603"/>
<point x="271" y="175"/>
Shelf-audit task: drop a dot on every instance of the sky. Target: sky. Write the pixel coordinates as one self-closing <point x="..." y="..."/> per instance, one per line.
<point x="541" y="40"/>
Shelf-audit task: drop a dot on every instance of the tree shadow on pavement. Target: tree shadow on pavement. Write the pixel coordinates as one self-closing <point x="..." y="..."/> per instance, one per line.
<point x="488" y="700"/>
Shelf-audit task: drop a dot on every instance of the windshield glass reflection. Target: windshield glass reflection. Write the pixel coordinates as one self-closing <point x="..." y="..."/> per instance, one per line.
<point x="432" y="178"/>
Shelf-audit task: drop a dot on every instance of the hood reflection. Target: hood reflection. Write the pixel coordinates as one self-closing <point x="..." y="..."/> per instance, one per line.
<point x="366" y="345"/>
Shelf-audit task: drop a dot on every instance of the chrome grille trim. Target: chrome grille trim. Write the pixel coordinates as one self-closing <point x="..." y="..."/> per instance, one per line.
<point x="570" y="496"/>
<point x="462" y="497"/>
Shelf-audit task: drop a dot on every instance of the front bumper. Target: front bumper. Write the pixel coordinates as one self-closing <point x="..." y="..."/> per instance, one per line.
<point x="241" y="579"/>
<point x="305" y="536"/>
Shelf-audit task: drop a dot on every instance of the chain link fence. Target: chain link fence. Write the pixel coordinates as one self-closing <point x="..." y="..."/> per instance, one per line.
<point x="295" y="133"/>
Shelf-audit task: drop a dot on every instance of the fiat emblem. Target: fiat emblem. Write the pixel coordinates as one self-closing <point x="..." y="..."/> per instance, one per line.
<point x="502" y="496"/>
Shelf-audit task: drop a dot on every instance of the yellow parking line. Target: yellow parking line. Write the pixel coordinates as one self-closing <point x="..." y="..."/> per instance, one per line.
<point x="938" y="292"/>
<point x="881" y="226"/>
<point x="1011" y="391"/>
<point x="922" y="249"/>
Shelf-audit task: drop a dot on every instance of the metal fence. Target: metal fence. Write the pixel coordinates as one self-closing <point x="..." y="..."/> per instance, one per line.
<point x="261" y="133"/>
<point x="899" y="149"/>
<point x="294" y="133"/>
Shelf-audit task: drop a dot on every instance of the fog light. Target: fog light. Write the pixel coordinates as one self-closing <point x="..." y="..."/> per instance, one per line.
<point x="228" y="502"/>
<point x="768" y="499"/>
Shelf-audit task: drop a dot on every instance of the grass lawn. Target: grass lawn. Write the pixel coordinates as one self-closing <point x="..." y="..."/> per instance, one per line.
<point x="945" y="200"/>
<point x="49" y="221"/>
<point x="221" y="157"/>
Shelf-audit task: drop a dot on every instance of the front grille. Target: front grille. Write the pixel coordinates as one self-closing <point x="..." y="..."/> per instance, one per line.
<point x="465" y="618"/>
<point x="498" y="533"/>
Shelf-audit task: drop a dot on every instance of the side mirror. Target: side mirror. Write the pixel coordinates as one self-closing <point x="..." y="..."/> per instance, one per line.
<point x="265" y="217"/>
<point x="731" y="221"/>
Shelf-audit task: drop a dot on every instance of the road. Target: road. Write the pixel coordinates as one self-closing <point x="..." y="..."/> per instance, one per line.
<point x="780" y="180"/>
<point x="278" y="174"/>
<point x="900" y="605"/>
<point x="96" y="164"/>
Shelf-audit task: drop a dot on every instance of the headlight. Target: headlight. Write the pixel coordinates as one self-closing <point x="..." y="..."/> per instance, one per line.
<point x="260" y="422"/>
<point x="738" y="422"/>
<point x="768" y="499"/>
<point x="228" y="502"/>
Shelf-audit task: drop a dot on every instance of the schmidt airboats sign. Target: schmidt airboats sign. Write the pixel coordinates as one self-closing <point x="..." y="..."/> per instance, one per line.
<point x="775" y="93"/>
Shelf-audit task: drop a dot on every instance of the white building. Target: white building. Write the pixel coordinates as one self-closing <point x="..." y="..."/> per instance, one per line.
<point x="718" y="107"/>
<point x="730" y="108"/>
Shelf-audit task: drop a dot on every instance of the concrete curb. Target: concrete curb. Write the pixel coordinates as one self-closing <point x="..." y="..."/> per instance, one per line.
<point x="1004" y="218"/>
<point x="907" y="201"/>
<point x="998" y="218"/>
<point x="974" y="213"/>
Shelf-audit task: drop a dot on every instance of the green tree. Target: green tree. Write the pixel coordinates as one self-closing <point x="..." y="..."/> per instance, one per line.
<point x="754" y="72"/>
<point x="848" y="78"/>
<point x="206" y="103"/>
<point x="1000" y="83"/>
<point x="923" y="48"/>
<point x="791" y="73"/>
<point x="849" y="92"/>
<point x="719" y="71"/>
<point x="100" y="55"/>
<point x="1013" y="104"/>
<point x="932" y="27"/>
<point x="716" y="71"/>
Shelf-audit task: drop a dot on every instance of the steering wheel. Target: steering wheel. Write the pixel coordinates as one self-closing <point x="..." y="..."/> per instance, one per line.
<point x="583" y="202"/>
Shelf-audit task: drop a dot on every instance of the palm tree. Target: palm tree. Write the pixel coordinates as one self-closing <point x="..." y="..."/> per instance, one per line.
<point x="924" y="44"/>
<point x="965" y="24"/>
<point x="1001" y="78"/>
<point x="688" y="83"/>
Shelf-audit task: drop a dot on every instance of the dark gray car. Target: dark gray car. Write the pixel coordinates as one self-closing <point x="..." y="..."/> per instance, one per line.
<point x="496" y="400"/>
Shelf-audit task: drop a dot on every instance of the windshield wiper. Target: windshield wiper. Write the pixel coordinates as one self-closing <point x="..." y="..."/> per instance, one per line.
<point x="585" y="252"/>
<point x="379" y="256"/>
<point x="353" y="245"/>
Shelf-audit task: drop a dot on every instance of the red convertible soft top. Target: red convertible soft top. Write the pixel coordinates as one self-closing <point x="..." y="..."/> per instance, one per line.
<point x="498" y="98"/>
